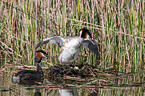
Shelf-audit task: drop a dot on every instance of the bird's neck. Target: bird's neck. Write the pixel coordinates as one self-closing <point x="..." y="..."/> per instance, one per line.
<point x="38" y="66"/>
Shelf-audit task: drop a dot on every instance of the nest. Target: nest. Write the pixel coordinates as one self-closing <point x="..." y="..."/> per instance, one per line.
<point x="79" y="74"/>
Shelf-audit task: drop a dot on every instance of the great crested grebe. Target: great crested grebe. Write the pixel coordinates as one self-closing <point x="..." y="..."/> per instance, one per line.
<point x="30" y="76"/>
<point x="71" y="46"/>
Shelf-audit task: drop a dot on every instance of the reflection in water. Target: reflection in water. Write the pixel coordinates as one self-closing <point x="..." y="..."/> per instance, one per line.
<point x="37" y="92"/>
<point x="68" y="92"/>
<point x="95" y="93"/>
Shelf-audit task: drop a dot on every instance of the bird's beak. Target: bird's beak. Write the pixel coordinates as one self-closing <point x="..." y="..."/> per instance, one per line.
<point x="48" y="56"/>
<point x="93" y="41"/>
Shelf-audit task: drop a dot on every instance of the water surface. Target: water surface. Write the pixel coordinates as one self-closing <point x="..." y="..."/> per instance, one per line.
<point x="130" y="85"/>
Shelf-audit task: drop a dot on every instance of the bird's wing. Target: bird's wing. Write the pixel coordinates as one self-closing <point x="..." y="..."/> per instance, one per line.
<point x="91" y="44"/>
<point x="55" y="39"/>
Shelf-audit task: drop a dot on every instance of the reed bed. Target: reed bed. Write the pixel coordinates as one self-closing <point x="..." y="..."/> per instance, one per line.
<point x="118" y="27"/>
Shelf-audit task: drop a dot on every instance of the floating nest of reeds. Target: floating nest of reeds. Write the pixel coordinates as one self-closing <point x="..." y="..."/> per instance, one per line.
<point x="79" y="74"/>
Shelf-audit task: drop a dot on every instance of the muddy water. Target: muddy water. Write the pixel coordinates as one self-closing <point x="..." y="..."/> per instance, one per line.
<point x="132" y="84"/>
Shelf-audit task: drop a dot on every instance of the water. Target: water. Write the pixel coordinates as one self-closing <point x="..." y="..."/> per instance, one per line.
<point x="132" y="84"/>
